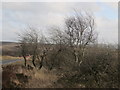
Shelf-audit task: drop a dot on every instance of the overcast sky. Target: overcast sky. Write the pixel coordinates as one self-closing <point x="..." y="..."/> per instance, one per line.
<point x="16" y="16"/>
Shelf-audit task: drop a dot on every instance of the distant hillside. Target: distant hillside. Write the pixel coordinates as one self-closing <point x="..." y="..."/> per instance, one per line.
<point x="9" y="48"/>
<point x="7" y="42"/>
<point x="12" y="48"/>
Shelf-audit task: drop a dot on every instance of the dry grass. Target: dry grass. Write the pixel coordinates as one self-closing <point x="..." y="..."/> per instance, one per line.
<point x="42" y="79"/>
<point x="36" y="78"/>
<point x="10" y="49"/>
<point x="9" y="57"/>
<point x="8" y="46"/>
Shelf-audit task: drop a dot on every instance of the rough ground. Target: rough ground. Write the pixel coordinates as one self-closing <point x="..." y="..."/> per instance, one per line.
<point x="23" y="77"/>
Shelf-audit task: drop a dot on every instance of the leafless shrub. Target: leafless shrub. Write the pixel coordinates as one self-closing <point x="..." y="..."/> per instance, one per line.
<point x="80" y="33"/>
<point x="73" y="51"/>
<point x="32" y="43"/>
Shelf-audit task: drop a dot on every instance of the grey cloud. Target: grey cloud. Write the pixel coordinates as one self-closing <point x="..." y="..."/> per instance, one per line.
<point x="35" y="13"/>
<point x="47" y="14"/>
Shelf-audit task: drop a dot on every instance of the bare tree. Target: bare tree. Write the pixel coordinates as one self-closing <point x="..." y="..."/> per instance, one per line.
<point x="24" y="49"/>
<point x="77" y="34"/>
<point x="80" y="33"/>
<point x="29" y="44"/>
<point x="34" y="43"/>
<point x="58" y="37"/>
<point x="43" y="50"/>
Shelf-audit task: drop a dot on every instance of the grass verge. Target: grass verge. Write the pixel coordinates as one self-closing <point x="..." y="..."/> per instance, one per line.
<point x="9" y="57"/>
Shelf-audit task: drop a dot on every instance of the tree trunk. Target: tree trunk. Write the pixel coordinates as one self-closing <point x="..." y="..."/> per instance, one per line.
<point x="25" y="61"/>
<point x="34" y="56"/>
<point x="33" y="60"/>
<point x="41" y="62"/>
<point x="76" y="56"/>
<point x="81" y="54"/>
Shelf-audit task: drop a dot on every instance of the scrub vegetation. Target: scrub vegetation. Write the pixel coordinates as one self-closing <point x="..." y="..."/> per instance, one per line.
<point x="69" y="58"/>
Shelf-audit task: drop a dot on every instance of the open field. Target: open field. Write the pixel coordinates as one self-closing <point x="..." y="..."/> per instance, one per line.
<point x="9" y="49"/>
<point x="7" y="45"/>
<point x="9" y="58"/>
